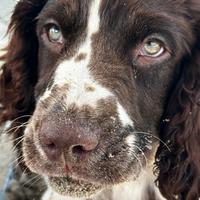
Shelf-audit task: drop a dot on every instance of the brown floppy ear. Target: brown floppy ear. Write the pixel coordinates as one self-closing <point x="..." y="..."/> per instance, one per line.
<point x="179" y="168"/>
<point x="19" y="73"/>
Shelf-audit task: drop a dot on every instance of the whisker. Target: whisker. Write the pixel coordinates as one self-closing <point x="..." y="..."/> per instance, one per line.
<point x="37" y="180"/>
<point x="18" y="161"/>
<point x="20" y="141"/>
<point x="23" y="116"/>
<point x="139" y="161"/>
<point x="30" y="181"/>
<point x="134" y="145"/>
<point x="16" y="128"/>
<point x="133" y="153"/>
<point x="146" y="133"/>
<point x="13" y="140"/>
<point x="15" y="161"/>
<point x="24" y="171"/>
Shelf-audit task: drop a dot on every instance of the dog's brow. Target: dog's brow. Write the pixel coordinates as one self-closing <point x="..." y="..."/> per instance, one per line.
<point x="85" y="48"/>
<point x="76" y="73"/>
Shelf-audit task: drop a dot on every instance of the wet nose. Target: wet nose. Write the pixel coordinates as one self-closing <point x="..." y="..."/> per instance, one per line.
<point x="77" y="141"/>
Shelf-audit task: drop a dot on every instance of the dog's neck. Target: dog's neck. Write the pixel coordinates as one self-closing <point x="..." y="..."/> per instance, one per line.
<point x="142" y="189"/>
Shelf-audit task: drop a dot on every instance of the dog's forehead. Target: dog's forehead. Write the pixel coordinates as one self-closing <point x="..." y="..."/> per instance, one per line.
<point x="105" y="24"/>
<point x="79" y="62"/>
<point x="131" y="5"/>
<point x="74" y="75"/>
<point x="109" y="13"/>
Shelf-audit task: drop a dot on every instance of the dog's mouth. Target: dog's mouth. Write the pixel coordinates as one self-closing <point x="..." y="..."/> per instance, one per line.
<point x="68" y="186"/>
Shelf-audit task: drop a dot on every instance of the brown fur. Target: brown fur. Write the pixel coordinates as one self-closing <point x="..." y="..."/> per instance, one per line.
<point x="164" y="98"/>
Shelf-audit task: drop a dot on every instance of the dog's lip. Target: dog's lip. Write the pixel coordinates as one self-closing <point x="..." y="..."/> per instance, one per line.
<point x="69" y="178"/>
<point x="68" y="186"/>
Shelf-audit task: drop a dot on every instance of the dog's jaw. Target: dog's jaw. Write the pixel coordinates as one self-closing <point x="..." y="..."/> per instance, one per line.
<point x="143" y="188"/>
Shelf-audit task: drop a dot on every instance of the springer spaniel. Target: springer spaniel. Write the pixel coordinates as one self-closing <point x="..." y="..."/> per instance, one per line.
<point x="106" y="96"/>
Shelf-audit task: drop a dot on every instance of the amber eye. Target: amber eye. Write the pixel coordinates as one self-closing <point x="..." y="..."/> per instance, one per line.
<point x="55" y="34"/>
<point x="152" y="49"/>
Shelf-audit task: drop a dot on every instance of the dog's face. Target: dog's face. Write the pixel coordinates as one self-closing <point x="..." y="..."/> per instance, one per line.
<point x="105" y="68"/>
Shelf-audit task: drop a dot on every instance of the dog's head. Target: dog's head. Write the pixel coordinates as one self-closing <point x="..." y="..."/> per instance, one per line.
<point x="104" y="82"/>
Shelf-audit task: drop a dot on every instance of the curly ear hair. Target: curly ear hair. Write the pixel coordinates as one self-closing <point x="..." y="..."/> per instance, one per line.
<point x="19" y="73"/>
<point x="179" y="168"/>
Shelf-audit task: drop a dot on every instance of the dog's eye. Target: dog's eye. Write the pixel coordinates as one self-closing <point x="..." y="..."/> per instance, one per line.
<point x="152" y="49"/>
<point x="55" y="34"/>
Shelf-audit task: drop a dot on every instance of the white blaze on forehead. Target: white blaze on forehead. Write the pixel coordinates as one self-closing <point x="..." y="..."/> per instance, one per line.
<point x="76" y="75"/>
<point x="92" y="28"/>
<point x="71" y="71"/>
<point x="123" y="116"/>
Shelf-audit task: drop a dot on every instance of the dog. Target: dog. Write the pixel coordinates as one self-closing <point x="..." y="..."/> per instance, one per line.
<point x="105" y="95"/>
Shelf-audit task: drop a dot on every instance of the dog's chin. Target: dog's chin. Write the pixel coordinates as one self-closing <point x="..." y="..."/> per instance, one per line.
<point x="67" y="186"/>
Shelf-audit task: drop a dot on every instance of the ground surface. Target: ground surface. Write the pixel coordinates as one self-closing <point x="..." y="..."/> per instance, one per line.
<point x="6" y="7"/>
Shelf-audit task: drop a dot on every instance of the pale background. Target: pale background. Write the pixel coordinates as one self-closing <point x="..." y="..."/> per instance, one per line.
<point x="6" y="7"/>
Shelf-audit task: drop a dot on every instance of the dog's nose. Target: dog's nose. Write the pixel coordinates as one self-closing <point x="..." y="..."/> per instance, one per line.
<point x="76" y="141"/>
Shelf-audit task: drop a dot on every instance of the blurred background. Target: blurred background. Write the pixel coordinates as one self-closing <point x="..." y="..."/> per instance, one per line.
<point x="6" y="7"/>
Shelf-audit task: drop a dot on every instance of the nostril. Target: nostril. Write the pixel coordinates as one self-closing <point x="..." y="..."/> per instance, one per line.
<point x="83" y="149"/>
<point x="52" y="151"/>
<point x="48" y="143"/>
<point x="78" y="150"/>
<point x="51" y="146"/>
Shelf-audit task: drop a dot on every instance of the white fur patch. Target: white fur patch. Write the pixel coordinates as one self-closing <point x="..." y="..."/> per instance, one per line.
<point x="50" y="195"/>
<point x="130" y="140"/>
<point x="123" y="116"/>
<point x="76" y="74"/>
<point x="45" y="95"/>
<point x="5" y="126"/>
<point x="137" y="189"/>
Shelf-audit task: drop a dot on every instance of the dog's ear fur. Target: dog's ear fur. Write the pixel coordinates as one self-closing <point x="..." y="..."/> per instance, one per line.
<point x="179" y="168"/>
<point x="19" y="71"/>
